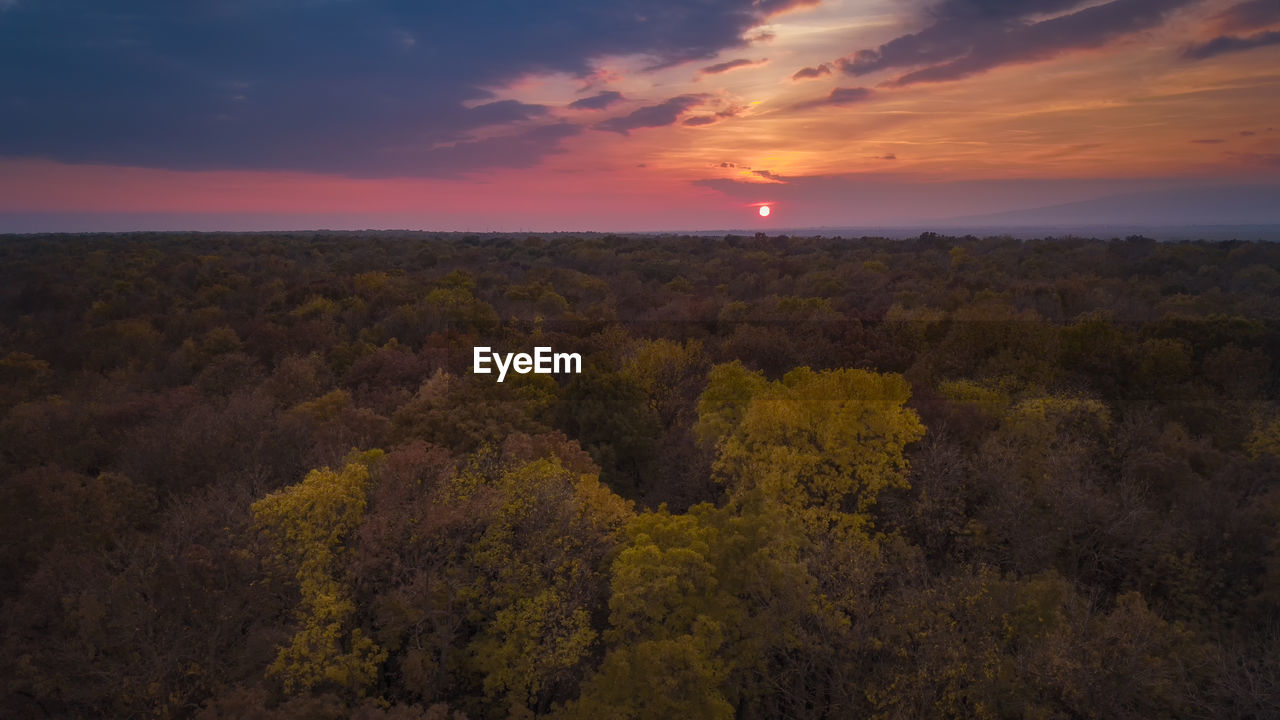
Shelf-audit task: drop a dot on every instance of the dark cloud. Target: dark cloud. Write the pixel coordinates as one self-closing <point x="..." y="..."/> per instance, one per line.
<point x="660" y="115"/>
<point x="1247" y="133"/>
<point x="968" y="37"/>
<point x="597" y="102"/>
<point x="1208" y="141"/>
<point x="890" y="156"/>
<point x="702" y="120"/>
<point x="1232" y="43"/>
<point x="812" y="72"/>
<point x="519" y="150"/>
<point x="344" y="87"/>
<point x="727" y="66"/>
<point x="844" y="96"/>
<point x="769" y="176"/>
<point x="838" y="97"/>
<point x="998" y="10"/>
<point x="504" y="112"/>
<point x="1252" y="15"/>
<point x="957" y="25"/>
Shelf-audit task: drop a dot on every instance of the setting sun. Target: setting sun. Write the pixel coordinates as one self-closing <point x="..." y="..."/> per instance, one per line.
<point x="764" y="211"/>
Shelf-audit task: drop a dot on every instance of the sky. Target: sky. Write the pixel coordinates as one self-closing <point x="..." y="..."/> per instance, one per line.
<point x="632" y="115"/>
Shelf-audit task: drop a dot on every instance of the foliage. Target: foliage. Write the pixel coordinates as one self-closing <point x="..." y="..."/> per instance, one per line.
<point x="308" y="524"/>
<point x="822" y="441"/>
<point x="734" y="511"/>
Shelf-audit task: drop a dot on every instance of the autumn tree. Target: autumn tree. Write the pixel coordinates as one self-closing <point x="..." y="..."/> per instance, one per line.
<point x="308" y="525"/>
<point x="821" y="445"/>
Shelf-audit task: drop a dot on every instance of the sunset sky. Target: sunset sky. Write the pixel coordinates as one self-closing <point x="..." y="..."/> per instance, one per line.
<point x="629" y="114"/>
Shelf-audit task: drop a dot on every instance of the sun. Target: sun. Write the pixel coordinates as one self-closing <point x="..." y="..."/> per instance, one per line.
<point x="764" y="211"/>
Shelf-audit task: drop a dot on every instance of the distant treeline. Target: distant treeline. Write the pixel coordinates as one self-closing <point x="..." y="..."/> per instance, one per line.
<point x="252" y="476"/>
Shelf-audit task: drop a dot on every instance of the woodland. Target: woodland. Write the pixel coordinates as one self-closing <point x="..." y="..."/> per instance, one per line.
<point x="253" y="476"/>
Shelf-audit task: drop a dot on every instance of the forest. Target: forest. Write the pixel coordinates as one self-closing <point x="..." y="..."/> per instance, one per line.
<point x="254" y="476"/>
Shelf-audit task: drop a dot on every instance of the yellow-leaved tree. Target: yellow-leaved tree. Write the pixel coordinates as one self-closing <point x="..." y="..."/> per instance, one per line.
<point x="682" y="632"/>
<point x="308" y="525"/>
<point x="709" y="607"/>
<point x="535" y="575"/>
<point x="820" y="445"/>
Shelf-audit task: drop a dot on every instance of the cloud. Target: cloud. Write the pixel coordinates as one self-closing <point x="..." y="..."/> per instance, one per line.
<point x="1247" y="133"/>
<point x="597" y="102"/>
<point x="890" y="156"/>
<point x="811" y="72"/>
<point x="844" y="96"/>
<point x="725" y="67"/>
<point x="660" y="115"/>
<point x="769" y="176"/>
<point x="519" y="150"/>
<point x="838" y="97"/>
<point x="332" y="86"/>
<point x="702" y="120"/>
<point x="1252" y="15"/>
<point x="503" y="112"/>
<point x="1208" y="141"/>
<point x="1232" y="43"/>
<point x="968" y="37"/>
